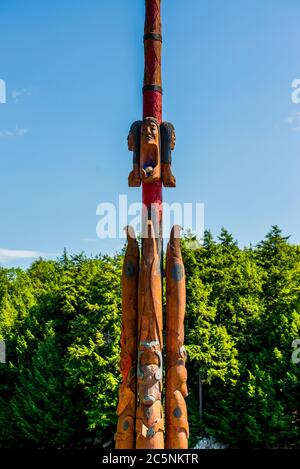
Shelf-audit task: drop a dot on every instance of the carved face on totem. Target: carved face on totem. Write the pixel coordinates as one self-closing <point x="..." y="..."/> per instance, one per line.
<point x="134" y="136"/>
<point x="152" y="145"/>
<point x="173" y="141"/>
<point x="149" y="133"/>
<point x="149" y="375"/>
<point x="130" y="141"/>
<point x="150" y="386"/>
<point x="150" y="150"/>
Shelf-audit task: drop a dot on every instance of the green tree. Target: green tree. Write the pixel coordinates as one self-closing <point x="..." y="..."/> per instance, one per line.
<point x="61" y="321"/>
<point x="41" y="405"/>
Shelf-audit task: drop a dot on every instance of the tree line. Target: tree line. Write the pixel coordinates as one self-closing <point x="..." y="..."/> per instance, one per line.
<point x="61" y="323"/>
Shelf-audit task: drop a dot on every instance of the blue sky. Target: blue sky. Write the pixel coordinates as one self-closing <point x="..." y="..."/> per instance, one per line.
<point x="74" y="72"/>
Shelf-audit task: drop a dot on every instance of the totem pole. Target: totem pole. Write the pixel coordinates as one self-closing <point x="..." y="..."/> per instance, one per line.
<point x="141" y="422"/>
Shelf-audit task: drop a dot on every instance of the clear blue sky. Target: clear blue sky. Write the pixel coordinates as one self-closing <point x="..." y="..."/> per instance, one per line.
<point x="74" y="73"/>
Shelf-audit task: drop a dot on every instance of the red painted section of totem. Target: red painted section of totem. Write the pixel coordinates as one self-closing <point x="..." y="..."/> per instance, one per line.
<point x="152" y="99"/>
<point x="153" y="105"/>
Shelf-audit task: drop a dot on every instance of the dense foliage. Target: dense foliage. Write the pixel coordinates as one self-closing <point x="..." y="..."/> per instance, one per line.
<point x="61" y="324"/>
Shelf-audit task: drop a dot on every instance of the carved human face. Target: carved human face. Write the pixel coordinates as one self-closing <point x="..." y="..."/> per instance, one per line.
<point x="173" y="142"/>
<point x="149" y="133"/>
<point x="150" y="387"/>
<point x="130" y="141"/>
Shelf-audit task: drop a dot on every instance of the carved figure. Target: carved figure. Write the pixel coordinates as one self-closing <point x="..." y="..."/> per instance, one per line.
<point x="133" y="140"/>
<point x="152" y="145"/>
<point x="177" y="428"/>
<point x="149" y="416"/>
<point x="168" y="141"/>
<point x="127" y="393"/>
<point x="140" y="409"/>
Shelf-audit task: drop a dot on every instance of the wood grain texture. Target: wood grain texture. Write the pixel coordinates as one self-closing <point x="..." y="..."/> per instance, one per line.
<point x="177" y="428"/>
<point x="152" y="104"/>
<point x="149" y="416"/>
<point x="125" y="436"/>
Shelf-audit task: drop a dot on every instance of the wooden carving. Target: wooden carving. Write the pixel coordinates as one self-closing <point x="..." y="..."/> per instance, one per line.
<point x="134" y="143"/>
<point x="149" y="416"/>
<point x="127" y="393"/>
<point x="168" y="140"/>
<point x="152" y="90"/>
<point x="152" y="145"/>
<point x="140" y="409"/>
<point x="177" y="428"/>
<point x="150" y="160"/>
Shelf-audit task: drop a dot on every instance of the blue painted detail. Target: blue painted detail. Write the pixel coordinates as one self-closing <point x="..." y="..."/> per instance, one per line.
<point x="150" y="432"/>
<point x="129" y="270"/>
<point x="125" y="425"/>
<point x="177" y="272"/>
<point x="148" y="400"/>
<point x="177" y="412"/>
<point x="149" y="344"/>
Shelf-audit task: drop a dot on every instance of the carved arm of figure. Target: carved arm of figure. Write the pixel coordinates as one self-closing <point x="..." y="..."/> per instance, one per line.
<point x="168" y="140"/>
<point x="134" y="143"/>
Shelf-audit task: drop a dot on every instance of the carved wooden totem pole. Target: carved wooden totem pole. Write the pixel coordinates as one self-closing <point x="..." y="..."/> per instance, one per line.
<point x="142" y="422"/>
